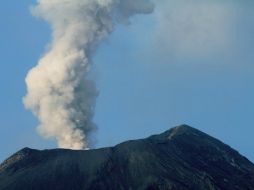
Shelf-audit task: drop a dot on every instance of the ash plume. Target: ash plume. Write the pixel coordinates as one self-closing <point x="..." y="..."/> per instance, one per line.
<point x="59" y="92"/>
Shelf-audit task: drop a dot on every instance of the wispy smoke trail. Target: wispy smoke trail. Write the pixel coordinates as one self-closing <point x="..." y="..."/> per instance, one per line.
<point x="59" y="93"/>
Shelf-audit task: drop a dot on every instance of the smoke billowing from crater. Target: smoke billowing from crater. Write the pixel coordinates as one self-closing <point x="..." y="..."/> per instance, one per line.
<point x="59" y="92"/>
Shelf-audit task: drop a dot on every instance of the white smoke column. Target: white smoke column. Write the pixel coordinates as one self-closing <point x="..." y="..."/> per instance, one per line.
<point x="59" y="93"/>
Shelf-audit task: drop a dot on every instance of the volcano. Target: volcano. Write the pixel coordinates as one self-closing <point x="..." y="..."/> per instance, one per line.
<point x="182" y="158"/>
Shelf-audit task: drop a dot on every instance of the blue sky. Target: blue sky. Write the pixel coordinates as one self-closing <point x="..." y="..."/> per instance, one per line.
<point x="187" y="63"/>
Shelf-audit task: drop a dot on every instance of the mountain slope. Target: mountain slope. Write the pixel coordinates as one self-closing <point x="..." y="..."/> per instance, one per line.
<point x="181" y="158"/>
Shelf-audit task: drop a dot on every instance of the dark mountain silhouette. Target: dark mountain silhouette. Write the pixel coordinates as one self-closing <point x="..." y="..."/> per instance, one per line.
<point x="181" y="158"/>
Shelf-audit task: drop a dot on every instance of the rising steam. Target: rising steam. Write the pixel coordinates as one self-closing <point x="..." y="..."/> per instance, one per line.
<point x="59" y="93"/>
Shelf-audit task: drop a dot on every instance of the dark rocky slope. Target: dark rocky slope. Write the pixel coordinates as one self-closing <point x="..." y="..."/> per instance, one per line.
<point x="182" y="158"/>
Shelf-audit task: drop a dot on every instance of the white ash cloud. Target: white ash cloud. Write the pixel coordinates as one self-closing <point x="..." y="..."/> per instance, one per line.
<point x="195" y="28"/>
<point x="59" y="92"/>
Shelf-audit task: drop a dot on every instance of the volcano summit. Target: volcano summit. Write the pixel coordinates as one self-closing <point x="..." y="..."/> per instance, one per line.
<point x="182" y="158"/>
